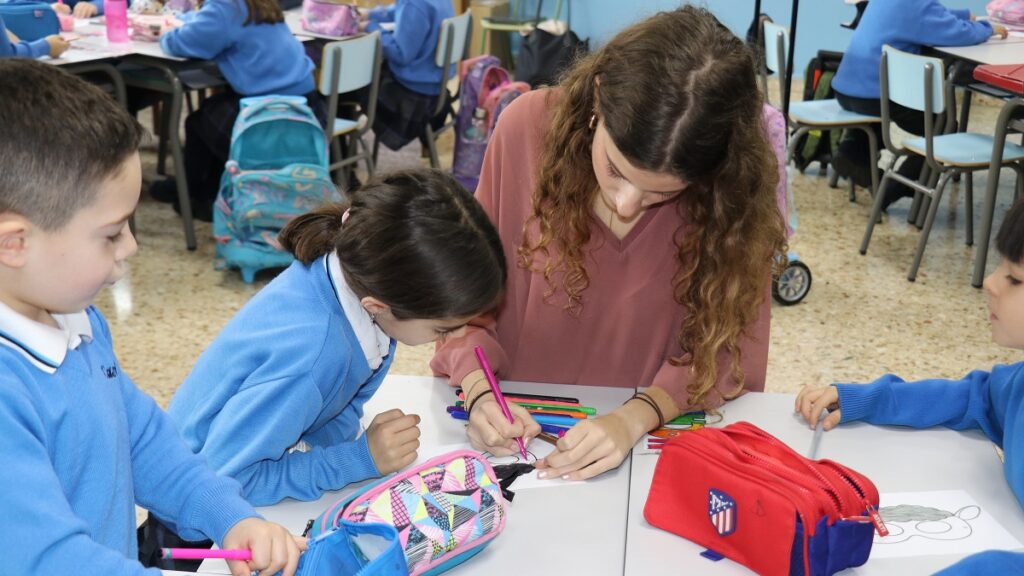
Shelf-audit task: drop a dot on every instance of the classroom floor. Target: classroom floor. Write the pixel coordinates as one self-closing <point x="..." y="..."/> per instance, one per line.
<point x="861" y="319"/>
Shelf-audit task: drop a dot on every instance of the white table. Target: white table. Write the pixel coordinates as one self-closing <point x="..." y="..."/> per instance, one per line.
<point x="994" y="51"/>
<point x="597" y="527"/>
<point x="895" y="459"/>
<point x="575" y="528"/>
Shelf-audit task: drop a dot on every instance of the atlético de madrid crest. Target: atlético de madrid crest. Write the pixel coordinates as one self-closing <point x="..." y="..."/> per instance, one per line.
<point x="722" y="512"/>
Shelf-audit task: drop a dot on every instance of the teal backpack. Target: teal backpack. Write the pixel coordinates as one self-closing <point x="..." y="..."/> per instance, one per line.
<point x="276" y="170"/>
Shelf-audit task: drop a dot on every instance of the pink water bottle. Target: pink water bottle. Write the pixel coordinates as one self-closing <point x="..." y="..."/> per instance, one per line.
<point x="115" y="12"/>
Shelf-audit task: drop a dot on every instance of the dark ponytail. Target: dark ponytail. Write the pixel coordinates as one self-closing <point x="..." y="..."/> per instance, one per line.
<point x="415" y="239"/>
<point x="313" y="234"/>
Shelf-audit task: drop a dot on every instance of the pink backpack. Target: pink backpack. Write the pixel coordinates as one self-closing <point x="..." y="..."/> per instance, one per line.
<point x="1010" y="13"/>
<point x="330" y="18"/>
<point x="497" y="92"/>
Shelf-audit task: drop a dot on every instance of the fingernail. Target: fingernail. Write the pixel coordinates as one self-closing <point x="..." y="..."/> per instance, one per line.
<point x="542" y="474"/>
<point x="566" y="477"/>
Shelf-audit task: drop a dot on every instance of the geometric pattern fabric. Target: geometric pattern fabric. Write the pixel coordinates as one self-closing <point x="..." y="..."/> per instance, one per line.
<point x="438" y="509"/>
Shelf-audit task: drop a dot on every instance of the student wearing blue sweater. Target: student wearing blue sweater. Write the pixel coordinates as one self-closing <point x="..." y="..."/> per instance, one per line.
<point x="276" y="400"/>
<point x="12" y="46"/>
<point x="81" y="444"/>
<point x="908" y="25"/>
<point x="258" y="55"/>
<point x="410" y="78"/>
<point x="990" y="401"/>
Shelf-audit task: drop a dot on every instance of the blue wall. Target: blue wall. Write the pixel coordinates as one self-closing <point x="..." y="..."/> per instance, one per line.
<point x="817" y="26"/>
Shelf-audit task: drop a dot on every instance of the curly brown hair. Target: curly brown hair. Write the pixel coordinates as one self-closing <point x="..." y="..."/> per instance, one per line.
<point x="678" y="95"/>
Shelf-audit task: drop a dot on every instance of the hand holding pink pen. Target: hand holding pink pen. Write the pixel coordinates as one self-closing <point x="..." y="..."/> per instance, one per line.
<point x="486" y="366"/>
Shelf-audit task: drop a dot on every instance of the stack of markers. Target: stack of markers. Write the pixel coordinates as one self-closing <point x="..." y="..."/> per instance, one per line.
<point x="555" y="414"/>
<point x="690" y="421"/>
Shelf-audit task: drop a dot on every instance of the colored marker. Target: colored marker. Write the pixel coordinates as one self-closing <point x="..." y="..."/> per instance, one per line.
<point x="486" y="366"/>
<point x="555" y="407"/>
<point x="203" y="553"/>
<point x="460" y="414"/>
<point x="549" y="438"/>
<point x="556" y="420"/>
<point x="539" y="397"/>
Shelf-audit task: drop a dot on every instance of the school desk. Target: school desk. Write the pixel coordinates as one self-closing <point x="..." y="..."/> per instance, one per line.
<point x="993" y="52"/>
<point x="896" y="459"/>
<point x="561" y="529"/>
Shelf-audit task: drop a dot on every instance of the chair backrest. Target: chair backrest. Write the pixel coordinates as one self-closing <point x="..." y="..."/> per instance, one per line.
<point x="349" y="65"/>
<point x="776" y="45"/>
<point x="451" y="44"/>
<point x="907" y="76"/>
<point x="358" y="58"/>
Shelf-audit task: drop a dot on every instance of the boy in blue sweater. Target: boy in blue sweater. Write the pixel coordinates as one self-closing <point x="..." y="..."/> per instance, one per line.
<point x="908" y="25"/>
<point x="81" y="444"/>
<point x="410" y="79"/>
<point x="992" y="401"/>
<point x="12" y="46"/>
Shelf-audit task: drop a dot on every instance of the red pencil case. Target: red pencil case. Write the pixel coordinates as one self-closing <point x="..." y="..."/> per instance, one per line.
<point x="746" y="495"/>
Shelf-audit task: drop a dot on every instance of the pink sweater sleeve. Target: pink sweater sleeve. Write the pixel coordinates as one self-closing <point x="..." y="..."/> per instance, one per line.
<point x="506" y="164"/>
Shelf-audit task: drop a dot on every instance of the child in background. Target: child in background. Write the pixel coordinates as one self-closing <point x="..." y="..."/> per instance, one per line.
<point x="80" y="8"/>
<point x="992" y="401"/>
<point x="81" y="444"/>
<point x="908" y="25"/>
<point x="275" y="401"/>
<point x="12" y="46"/>
<point x="410" y="79"/>
<point x="258" y="55"/>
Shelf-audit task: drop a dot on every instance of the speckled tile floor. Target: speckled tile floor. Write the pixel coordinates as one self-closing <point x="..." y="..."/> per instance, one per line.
<point x="862" y="317"/>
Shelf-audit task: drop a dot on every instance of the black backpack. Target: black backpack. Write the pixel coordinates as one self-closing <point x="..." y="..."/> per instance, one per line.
<point x="817" y="145"/>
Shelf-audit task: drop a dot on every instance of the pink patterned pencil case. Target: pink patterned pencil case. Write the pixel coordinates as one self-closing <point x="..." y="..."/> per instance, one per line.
<point x="444" y="510"/>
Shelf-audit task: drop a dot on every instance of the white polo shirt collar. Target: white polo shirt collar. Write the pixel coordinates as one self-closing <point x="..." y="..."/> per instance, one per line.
<point x="45" y="347"/>
<point x="373" y="341"/>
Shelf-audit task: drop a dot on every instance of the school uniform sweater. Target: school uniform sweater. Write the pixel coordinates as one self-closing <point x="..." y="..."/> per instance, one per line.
<point x="627" y="330"/>
<point x="286" y="372"/>
<point x="410" y="48"/>
<point x="990" y="401"/>
<point x="81" y="446"/>
<point x="256" y="59"/>
<point x="33" y="49"/>
<point x="97" y="3"/>
<point x="908" y="25"/>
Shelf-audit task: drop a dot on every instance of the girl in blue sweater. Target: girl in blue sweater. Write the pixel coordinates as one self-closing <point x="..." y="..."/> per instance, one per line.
<point x="908" y="25"/>
<point x="992" y="401"/>
<point x="258" y="55"/>
<point x="410" y="78"/>
<point x="276" y="400"/>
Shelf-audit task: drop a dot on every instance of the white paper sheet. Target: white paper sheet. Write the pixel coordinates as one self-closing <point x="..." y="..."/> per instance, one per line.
<point x="536" y="450"/>
<point x="939" y="522"/>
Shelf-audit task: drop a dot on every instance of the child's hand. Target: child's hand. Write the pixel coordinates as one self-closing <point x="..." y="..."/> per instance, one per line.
<point x="588" y="449"/>
<point x="1000" y="30"/>
<point x="85" y="10"/>
<point x="57" y="44"/>
<point x="490" y="431"/>
<point x="393" y="437"/>
<point x="61" y="8"/>
<point x="273" y="548"/>
<point x="813" y="399"/>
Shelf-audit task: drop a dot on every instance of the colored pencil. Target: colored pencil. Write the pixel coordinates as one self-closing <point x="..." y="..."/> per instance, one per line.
<point x="486" y="366"/>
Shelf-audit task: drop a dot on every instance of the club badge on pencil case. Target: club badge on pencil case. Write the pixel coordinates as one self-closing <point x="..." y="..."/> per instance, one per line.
<point x="431" y="518"/>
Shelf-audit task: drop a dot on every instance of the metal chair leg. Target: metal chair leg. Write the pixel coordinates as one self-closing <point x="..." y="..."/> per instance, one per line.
<point x="432" y="145"/>
<point x="876" y="210"/>
<point x="932" y="210"/>
<point x="969" y="206"/>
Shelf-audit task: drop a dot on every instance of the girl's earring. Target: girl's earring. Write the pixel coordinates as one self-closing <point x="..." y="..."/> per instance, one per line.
<point x="593" y="122"/>
<point x="373" y="317"/>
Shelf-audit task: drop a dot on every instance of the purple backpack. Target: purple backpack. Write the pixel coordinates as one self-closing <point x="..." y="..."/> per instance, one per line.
<point x="469" y="155"/>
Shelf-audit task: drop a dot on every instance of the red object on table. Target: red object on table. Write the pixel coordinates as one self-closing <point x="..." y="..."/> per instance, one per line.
<point x="1006" y="76"/>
